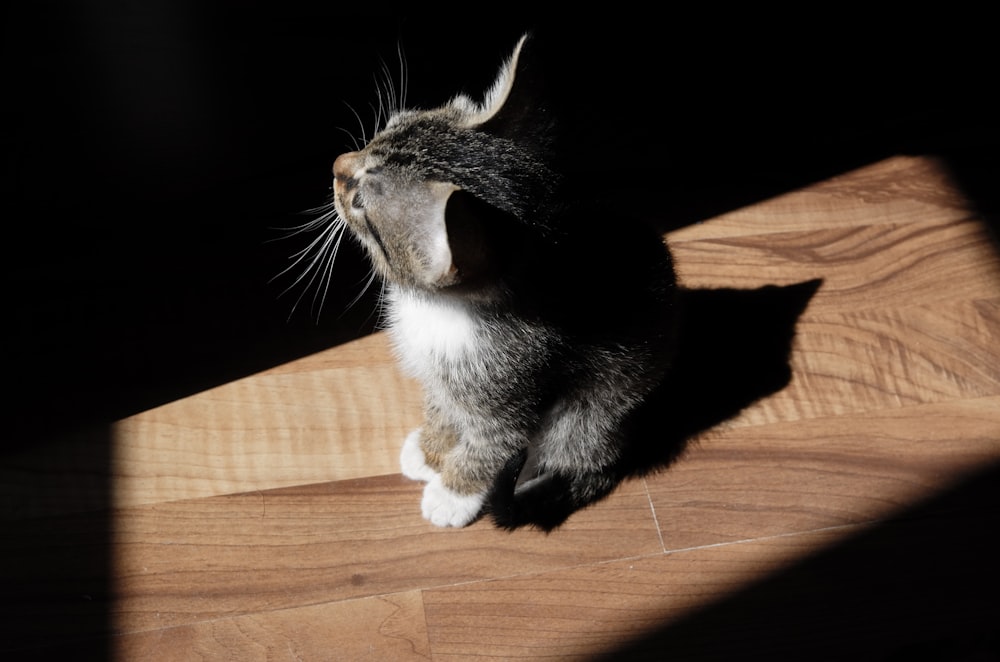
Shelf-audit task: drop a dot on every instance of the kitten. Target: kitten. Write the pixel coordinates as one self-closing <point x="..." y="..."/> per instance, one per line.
<point x="536" y="321"/>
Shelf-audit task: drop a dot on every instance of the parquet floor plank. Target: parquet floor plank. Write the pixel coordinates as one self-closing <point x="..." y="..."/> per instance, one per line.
<point x="572" y="614"/>
<point x="185" y="562"/>
<point x="265" y="518"/>
<point x="897" y="190"/>
<point x="387" y="627"/>
<point x="332" y="416"/>
<point x="907" y="589"/>
<point x="764" y="480"/>
<point x="862" y="267"/>
<point x="853" y="362"/>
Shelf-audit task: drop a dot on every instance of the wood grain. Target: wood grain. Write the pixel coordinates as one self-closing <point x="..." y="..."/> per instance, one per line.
<point x="884" y="358"/>
<point x="189" y="561"/>
<point x="866" y="266"/>
<point x="339" y="415"/>
<point x="788" y="477"/>
<point x="387" y="627"/>
<point x="265" y="518"/>
<point x="572" y="614"/>
<point x="897" y="190"/>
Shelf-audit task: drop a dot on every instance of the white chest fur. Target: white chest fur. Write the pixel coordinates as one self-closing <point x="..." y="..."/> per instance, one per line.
<point x="430" y="332"/>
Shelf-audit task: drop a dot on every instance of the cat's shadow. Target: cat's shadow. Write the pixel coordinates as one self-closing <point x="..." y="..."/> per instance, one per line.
<point x="733" y="349"/>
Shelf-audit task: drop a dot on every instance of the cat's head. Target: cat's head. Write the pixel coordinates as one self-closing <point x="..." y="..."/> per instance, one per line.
<point x="420" y="195"/>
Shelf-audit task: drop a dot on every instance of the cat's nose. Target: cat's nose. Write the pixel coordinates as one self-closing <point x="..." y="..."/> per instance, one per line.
<point x="345" y="166"/>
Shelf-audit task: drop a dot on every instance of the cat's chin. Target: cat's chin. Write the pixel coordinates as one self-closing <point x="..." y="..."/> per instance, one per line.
<point x="446" y="508"/>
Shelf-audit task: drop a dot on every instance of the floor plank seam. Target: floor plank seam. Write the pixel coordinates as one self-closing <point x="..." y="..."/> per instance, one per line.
<point x="652" y="510"/>
<point x="789" y="534"/>
<point x="537" y="573"/>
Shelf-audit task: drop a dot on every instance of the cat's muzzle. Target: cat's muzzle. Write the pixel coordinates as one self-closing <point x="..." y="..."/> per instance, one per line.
<point x="344" y="169"/>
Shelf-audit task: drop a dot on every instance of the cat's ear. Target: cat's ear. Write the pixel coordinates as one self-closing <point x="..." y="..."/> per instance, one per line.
<point x="514" y="107"/>
<point x="517" y="106"/>
<point x="480" y="238"/>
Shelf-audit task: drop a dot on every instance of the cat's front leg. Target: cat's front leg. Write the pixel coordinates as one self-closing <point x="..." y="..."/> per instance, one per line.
<point x="413" y="460"/>
<point x="457" y="495"/>
<point x="444" y="506"/>
<point x="440" y="505"/>
<point x="424" y="449"/>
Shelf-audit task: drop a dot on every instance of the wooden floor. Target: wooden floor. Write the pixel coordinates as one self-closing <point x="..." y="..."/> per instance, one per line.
<point x="848" y="516"/>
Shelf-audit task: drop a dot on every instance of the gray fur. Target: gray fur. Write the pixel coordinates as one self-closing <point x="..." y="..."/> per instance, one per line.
<point x="535" y="323"/>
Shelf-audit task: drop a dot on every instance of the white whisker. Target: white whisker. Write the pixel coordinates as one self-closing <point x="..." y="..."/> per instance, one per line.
<point x="380" y="306"/>
<point x="361" y="125"/>
<point x="320" y="269"/>
<point x="328" y="215"/>
<point x="327" y="235"/>
<point x="403" y="76"/>
<point x="383" y="90"/>
<point x="354" y="140"/>
<point x="380" y="111"/>
<point x="364" y="289"/>
<point x="314" y="263"/>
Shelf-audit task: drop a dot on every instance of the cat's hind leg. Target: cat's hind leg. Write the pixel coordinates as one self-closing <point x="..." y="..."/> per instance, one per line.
<point x="574" y="465"/>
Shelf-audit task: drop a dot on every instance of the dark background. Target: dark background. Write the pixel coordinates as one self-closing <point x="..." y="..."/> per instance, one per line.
<point x="153" y="151"/>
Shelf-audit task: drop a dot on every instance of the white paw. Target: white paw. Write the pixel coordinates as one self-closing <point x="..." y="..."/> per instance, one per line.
<point x="412" y="461"/>
<point x="443" y="507"/>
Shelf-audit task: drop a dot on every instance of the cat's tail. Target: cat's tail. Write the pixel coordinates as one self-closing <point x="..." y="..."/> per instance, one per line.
<point x="544" y="501"/>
